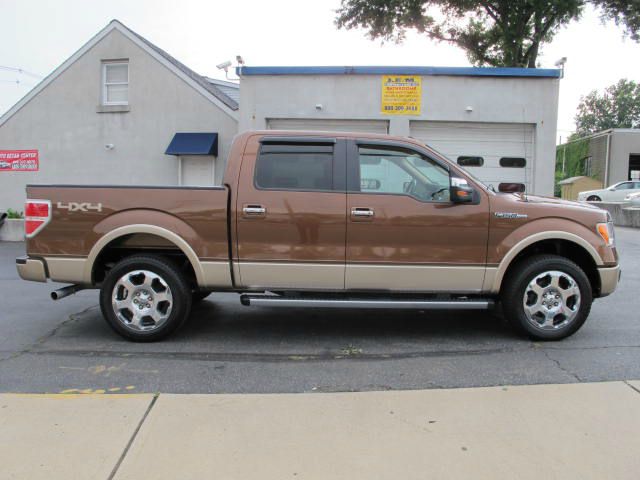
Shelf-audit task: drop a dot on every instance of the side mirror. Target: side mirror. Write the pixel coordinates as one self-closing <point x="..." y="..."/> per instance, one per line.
<point x="461" y="194"/>
<point x="612" y="189"/>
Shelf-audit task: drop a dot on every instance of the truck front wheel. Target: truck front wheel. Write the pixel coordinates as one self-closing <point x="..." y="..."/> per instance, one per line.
<point x="547" y="297"/>
<point x="145" y="298"/>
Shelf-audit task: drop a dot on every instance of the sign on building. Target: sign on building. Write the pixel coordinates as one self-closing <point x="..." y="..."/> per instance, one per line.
<point x="19" y="161"/>
<point x="401" y="95"/>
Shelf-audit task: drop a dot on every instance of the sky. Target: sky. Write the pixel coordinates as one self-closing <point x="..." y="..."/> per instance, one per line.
<point x="38" y="35"/>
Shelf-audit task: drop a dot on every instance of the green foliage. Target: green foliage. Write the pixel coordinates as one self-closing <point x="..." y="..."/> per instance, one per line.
<point x="499" y="33"/>
<point x="11" y="213"/>
<point x="617" y="107"/>
<point x="573" y="155"/>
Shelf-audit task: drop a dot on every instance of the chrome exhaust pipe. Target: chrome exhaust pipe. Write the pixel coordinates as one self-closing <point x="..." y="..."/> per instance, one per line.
<point x="66" y="291"/>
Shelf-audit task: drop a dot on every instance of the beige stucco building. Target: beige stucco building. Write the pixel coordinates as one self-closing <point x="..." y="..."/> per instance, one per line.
<point x="108" y="114"/>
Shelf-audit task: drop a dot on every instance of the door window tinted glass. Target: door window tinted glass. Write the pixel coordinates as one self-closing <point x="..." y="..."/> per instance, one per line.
<point x="402" y="172"/>
<point x="296" y="167"/>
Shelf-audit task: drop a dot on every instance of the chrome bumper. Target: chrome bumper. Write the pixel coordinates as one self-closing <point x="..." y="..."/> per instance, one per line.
<point x="32" y="269"/>
<point x="609" y="278"/>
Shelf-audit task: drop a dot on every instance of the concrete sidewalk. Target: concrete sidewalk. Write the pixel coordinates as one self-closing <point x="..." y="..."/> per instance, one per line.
<point x="579" y="431"/>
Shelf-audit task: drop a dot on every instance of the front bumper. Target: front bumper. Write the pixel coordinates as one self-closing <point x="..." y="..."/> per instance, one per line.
<point x="609" y="279"/>
<point x="32" y="269"/>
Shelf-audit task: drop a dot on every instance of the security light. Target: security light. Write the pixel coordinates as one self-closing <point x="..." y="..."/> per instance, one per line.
<point x="224" y="65"/>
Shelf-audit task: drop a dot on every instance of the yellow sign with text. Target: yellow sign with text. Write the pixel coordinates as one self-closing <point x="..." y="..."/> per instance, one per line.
<point x="401" y="95"/>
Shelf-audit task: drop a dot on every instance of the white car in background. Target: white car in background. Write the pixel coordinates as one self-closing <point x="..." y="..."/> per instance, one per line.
<point x="633" y="199"/>
<point x="615" y="193"/>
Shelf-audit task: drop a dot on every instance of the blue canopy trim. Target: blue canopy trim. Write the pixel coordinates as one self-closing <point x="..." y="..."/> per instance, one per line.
<point x="201" y="143"/>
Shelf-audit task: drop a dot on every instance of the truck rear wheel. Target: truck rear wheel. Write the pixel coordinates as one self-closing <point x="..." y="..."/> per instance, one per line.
<point x="547" y="297"/>
<point x="145" y="298"/>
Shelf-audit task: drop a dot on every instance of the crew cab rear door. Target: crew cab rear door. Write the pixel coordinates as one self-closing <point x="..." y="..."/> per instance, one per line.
<point x="291" y="214"/>
<point x="403" y="232"/>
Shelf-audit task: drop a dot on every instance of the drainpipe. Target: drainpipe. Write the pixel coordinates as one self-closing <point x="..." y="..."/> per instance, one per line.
<point x="606" y="161"/>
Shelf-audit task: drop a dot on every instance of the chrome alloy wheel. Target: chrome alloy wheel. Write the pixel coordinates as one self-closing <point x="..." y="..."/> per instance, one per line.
<point x="142" y="300"/>
<point x="551" y="300"/>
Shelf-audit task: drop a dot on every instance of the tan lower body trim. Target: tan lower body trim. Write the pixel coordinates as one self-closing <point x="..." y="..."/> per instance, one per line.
<point x="216" y="274"/>
<point x="609" y="278"/>
<point x="489" y="283"/>
<point x="415" y="278"/>
<point x="292" y="275"/>
<point x="67" y="270"/>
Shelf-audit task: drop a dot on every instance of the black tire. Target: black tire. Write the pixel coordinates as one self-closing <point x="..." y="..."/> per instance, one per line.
<point x="168" y="272"/>
<point x="518" y="280"/>
<point x="198" y="296"/>
<point x="593" y="198"/>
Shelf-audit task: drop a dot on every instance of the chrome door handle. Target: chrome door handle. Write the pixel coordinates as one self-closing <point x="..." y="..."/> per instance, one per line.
<point x="254" y="210"/>
<point x="362" y="212"/>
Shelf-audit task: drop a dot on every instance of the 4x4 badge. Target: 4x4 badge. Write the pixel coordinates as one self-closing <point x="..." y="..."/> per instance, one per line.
<point x="80" y="206"/>
<point x="510" y="215"/>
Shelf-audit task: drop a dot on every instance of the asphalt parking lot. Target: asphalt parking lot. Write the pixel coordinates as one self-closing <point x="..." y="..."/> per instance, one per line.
<point x="65" y="346"/>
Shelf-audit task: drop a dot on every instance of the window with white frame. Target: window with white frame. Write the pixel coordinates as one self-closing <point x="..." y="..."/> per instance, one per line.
<point x="115" y="83"/>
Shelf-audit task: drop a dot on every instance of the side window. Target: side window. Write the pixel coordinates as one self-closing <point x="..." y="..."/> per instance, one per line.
<point x="625" y="186"/>
<point x="115" y="83"/>
<point x="513" y="162"/>
<point x="470" y="161"/>
<point x="402" y="172"/>
<point x="294" y="167"/>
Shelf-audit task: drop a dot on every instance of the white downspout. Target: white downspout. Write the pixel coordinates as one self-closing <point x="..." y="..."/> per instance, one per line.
<point x="606" y="161"/>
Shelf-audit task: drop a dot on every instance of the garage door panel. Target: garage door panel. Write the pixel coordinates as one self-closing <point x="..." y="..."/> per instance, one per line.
<point x="491" y="141"/>
<point x="329" y="125"/>
<point x="485" y="151"/>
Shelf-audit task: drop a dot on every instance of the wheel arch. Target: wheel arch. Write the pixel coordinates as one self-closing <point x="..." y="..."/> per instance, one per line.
<point x="120" y="233"/>
<point x="565" y="244"/>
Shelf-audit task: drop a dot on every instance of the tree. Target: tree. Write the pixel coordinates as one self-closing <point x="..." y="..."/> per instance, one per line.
<point x="617" y="107"/>
<point x="499" y="33"/>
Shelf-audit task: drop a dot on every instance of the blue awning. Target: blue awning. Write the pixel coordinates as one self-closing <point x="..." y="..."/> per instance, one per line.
<point x="201" y="143"/>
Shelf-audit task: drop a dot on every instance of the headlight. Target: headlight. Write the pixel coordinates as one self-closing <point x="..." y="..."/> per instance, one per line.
<point x="607" y="233"/>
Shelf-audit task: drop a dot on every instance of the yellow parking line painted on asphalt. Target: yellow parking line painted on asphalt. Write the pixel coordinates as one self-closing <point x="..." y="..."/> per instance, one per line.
<point x="63" y="396"/>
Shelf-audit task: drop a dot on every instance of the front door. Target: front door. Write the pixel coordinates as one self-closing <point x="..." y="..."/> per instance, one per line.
<point x="291" y="220"/>
<point x="403" y="232"/>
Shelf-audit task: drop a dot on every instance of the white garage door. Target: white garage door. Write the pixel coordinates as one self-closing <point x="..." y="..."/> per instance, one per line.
<point x="503" y="147"/>
<point x="319" y="124"/>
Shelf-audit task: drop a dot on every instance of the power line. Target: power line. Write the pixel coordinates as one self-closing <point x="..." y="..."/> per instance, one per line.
<point x="21" y="71"/>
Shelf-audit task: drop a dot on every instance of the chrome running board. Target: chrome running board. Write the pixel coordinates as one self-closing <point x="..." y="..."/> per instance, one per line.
<point x="388" y="303"/>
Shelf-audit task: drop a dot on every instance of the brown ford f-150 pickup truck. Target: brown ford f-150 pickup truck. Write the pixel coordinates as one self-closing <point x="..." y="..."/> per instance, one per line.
<point x="323" y="220"/>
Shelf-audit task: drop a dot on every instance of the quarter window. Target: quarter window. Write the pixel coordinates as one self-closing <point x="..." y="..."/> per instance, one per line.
<point x="470" y="161"/>
<point x="402" y="172"/>
<point x="513" y="162"/>
<point x="295" y="167"/>
<point x="115" y="83"/>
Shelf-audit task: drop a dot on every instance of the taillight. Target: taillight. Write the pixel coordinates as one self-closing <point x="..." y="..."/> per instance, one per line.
<point x="37" y="213"/>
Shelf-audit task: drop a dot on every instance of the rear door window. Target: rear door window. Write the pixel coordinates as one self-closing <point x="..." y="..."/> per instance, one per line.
<point x="304" y="167"/>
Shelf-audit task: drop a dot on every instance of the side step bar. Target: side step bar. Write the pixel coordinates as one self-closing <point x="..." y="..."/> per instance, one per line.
<point x="389" y="303"/>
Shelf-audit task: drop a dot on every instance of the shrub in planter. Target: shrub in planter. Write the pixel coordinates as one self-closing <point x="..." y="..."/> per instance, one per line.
<point x="14" y="214"/>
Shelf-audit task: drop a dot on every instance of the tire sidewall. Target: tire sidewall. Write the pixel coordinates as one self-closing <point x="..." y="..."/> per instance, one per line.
<point x="520" y="280"/>
<point x="175" y="280"/>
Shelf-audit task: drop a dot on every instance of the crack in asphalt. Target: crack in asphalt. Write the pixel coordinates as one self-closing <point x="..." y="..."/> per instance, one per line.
<point x="271" y="357"/>
<point x="30" y="349"/>
<point x="559" y="365"/>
